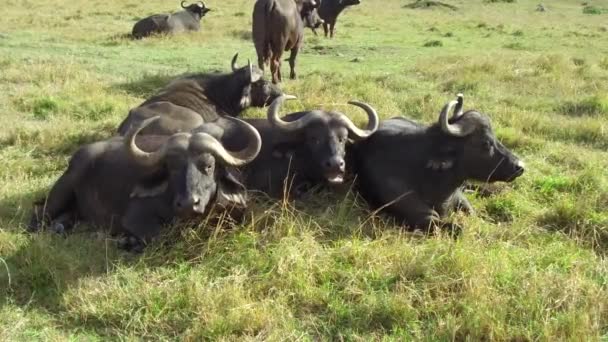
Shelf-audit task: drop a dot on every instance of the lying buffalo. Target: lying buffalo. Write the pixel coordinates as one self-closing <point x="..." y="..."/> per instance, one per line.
<point x="187" y="20"/>
<point x="277" y="26"/>
<point x="329" y="11"/>
<point x="415" y="172"/>
<point x="303" y="149"/>
<point x="134" y="185"/>
<point x="188" y="102"/>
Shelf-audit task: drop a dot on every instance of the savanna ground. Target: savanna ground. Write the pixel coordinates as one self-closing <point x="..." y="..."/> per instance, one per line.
<point x="531" y="264"/>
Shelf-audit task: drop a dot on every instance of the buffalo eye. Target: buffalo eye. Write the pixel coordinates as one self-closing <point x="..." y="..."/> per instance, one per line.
<point x="487" y="145"/>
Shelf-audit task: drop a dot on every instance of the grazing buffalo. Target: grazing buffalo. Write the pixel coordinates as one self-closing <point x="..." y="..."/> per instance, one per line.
<point x="329" y="11"/>
<point x="310" y="14"/>
<point x="190" y="101"/>
<point x="135" y="184"/>
<point x="278" y="26"/>
<point x="303" y="149"/>
<point x="187" y="20"/>
<point x="414" y="172"/>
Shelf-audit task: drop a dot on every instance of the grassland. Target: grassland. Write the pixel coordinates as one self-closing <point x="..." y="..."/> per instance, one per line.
<point x="531" y="264"/>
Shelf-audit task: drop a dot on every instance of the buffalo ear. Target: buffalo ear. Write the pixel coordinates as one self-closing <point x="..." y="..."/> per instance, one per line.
<point x="151" y="186"/>
<point x="246" y="97"/>
<point x="230" y="192"/>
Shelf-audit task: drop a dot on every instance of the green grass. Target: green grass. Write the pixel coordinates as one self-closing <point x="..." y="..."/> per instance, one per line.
<point x="530" y="265"/>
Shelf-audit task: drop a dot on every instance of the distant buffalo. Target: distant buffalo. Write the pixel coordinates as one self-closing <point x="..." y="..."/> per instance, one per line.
<point x="189" y="101"/>
<point x="277" y="27"/>
<point x="310" y="14"/>
<point x="187" y="20"/>
<point x="329" y="11"/>
<point x="303" y="149"/>
<point x="414" y="172"/>
<point x="133" y="185"/>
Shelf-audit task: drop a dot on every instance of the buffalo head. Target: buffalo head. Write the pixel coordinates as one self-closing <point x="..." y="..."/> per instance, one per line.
<point x="192" y="166"/>
<point x="312" y="19"/>
<point x="197" y="8"/>
<point x="479" y="154"/>
<point x="258" y="92"/>
<point x="324" y="135"/>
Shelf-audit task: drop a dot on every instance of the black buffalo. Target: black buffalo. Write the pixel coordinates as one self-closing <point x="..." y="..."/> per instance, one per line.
<point x="329" y="11"/>
<point x="135" y="184"/>
<point x="188" y="102"/>
<point x="303" y="149"/>
<point x="277" y="27"/>
<point x="187" y="20"/>
<point x="310" y="14"/>
<point x="414" y="172"/>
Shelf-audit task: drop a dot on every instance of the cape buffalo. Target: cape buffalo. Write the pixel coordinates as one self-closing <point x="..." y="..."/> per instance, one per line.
<point x="414" y="172"/>
<point x="189" y="101"/>
<point x="187" y="20"/>
<point x="134" y="186"/>
<point x="277" y="26"/>
<point x="329" y="11"/>
<point x="310" y="15"/>
<point x="305" y="148"/>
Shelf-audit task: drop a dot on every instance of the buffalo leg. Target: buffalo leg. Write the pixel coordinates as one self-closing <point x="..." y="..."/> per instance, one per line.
<point x="331" y="29"/>
<point x="275" y="70"/>
<point x="143" y="221"/>
<point x="461" y="203"/>
<point x="292" y="63"/>
<point x="325" y="28"/>
<point x="60" y="200"/>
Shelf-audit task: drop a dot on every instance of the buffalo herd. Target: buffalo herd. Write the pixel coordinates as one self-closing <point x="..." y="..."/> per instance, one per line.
<point x="187" y="151"/>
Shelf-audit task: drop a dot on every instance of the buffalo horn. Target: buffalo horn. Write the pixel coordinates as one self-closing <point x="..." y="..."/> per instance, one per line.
<point x="452" y="129"/>
<point x="372" y="121"/>
<point x="205" y="142"/>
<point x="291" y="126"/>
<point x="141" y="157"/>
<point x="458" y="109"/>
<point x="233" y="63"/>
<point x="183" y="4"/>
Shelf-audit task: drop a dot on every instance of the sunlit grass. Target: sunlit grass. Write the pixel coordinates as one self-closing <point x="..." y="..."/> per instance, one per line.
<point x="531" y="264"/>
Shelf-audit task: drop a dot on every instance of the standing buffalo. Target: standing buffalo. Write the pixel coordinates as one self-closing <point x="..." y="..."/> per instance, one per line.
<point x="329" y="11"/>
<point x="187" y="20"/>
<point x="188" y="102"/>
<point x="304" y="148"/>
<point x="414" y="172"/>
<point x="134" y="186"/>
<point x="277" y="26"/>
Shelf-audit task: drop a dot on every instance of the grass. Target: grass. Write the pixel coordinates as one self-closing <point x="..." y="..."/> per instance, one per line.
<point x="530" y="265"/>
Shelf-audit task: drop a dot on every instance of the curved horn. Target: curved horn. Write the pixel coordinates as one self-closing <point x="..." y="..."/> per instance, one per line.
<point x="233" y="63"/>
<point x="183" y="4"/>
<point x="292" y="126"/>
<point x="206" y="142"/>
<point x="372" y="121"/>
<point x="451" y="129"/>
<point x="251" y="80"/>
<point x="202" y="3"/>
<point x="139" y="156"/>
<point x="458" y="109"/>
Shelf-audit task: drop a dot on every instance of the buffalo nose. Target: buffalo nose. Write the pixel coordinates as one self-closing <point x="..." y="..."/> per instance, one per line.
<point x="334" y="164"/>
<point x="185" y="203"/>
<point x="520" y="167"/>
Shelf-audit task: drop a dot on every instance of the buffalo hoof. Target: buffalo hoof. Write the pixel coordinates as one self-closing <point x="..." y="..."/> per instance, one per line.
<point x="131" y="244"/>
<point x="454" y="230"/>
<point x="58" y="228"/>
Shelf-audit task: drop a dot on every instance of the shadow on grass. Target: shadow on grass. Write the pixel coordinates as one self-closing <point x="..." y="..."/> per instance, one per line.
<point x="147" y="85"/>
